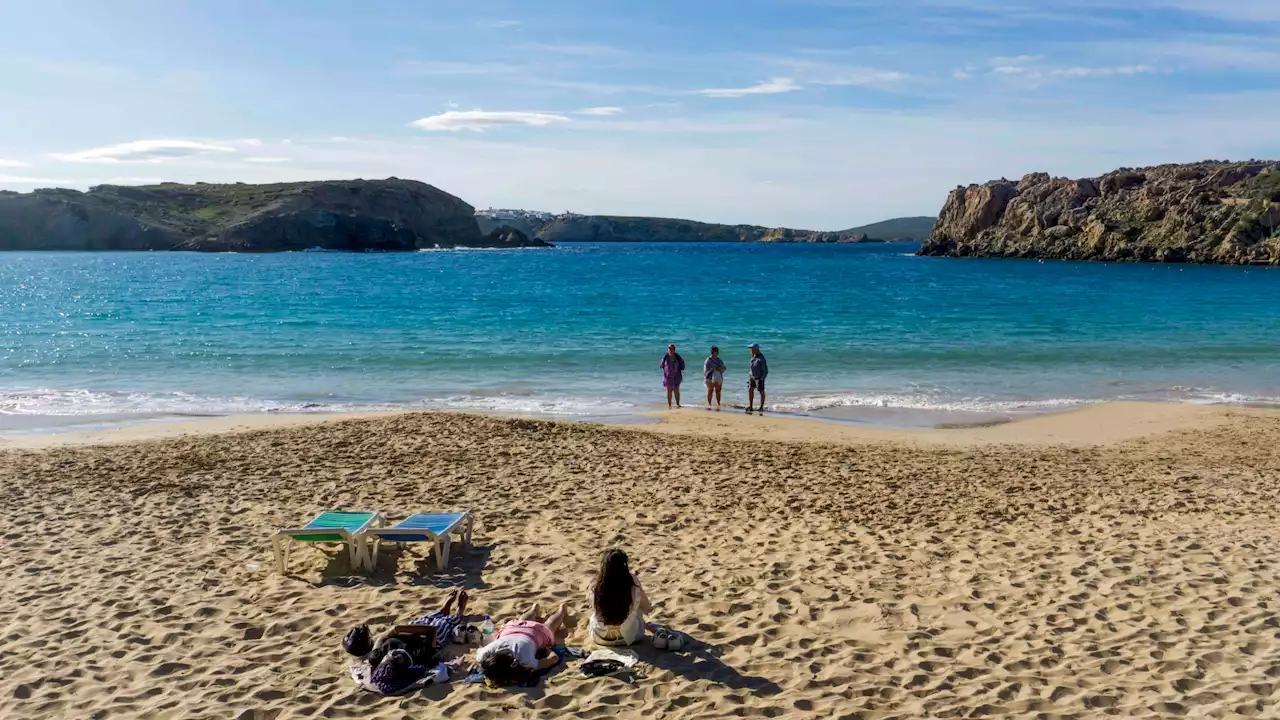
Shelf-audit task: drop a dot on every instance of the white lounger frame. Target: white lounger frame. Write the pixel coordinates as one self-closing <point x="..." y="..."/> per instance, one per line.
<point x="441" y="543"/>
<point x="357" y="547"/>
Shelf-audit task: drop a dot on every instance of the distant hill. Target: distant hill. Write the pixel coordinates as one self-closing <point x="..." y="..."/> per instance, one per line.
<point x="571" y="227"/>
<point x="350" y="215"/>
<point x="602" y="228"/>
<point x="906" y="228"/>
<point x="529" y="225"/>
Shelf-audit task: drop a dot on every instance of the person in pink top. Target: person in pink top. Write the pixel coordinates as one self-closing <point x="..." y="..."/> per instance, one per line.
<point x="513" y="655"/>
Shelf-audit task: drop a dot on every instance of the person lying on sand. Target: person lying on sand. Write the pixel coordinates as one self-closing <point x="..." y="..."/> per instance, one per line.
<point x="514" y="655"/>
<point x="618" y="603"/>
<point x="420" y="640"/>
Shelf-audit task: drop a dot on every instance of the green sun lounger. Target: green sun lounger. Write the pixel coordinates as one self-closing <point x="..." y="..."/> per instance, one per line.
<point x="434" y="528"/>
<point x="333" y="526"/>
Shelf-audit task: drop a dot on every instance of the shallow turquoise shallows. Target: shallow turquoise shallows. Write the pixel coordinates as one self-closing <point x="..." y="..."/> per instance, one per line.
<point x="866" y="333"/>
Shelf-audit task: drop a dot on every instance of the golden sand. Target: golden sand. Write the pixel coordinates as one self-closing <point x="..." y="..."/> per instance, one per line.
<point x="1074" y="573"/>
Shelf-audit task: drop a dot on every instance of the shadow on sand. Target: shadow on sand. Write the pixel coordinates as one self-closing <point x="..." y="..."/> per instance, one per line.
<point x="465" y="570"/>
<point x="701" y="661"/>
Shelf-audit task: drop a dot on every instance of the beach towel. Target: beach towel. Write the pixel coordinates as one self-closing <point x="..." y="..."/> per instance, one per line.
<point x="362" y="674"/>
<point x="564" y="653"/>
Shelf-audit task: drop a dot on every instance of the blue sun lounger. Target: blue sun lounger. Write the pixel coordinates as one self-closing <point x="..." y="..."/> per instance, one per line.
<point x="334" y="526"/>
<point x="434" y="528"/>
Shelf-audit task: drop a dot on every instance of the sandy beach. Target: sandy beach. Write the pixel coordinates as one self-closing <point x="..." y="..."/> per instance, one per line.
<point x="1118" y="561"/>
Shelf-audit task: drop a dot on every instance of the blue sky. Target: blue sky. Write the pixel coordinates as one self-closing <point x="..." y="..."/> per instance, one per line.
<point x="805" y="113"/>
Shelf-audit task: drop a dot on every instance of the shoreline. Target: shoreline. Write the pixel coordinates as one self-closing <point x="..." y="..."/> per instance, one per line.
<point x="177" y="427"/>
<point x="1096" y="424"/>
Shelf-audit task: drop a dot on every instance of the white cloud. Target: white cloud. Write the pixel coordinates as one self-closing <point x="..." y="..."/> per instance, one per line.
<point x="13" y="180"/>
<point x="12" y="163"/>
<point x="600" y="111"/>
<point x="596" y="88"/>
<point x="1242" y="10"/>
<point x="819" y="72"/>
<point x="1082" y="72"/>
<point x="24" y="180"/>
<point x="861" y="76"/>
<point x="772" y="87"/>
<point x="961" y="75"/>
<point x="1015" y="60"/>
<point x="1035" y="76"/>
<point x="506" y="23"/>
<point x="824" y="168"/>
<point x="144" y="151"/>
<point x="480" y="120"/>
<point x="267" y="159"/>
<point x="127" y="181"/>
<point x="577" y="49"/>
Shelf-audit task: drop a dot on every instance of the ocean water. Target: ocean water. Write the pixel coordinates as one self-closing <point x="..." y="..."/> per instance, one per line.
<point x="865" y="333"/>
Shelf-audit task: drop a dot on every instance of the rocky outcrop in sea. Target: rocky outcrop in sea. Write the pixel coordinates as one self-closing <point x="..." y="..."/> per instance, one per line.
<point x="348" y="215"/>
<point x="1206" y="212"/>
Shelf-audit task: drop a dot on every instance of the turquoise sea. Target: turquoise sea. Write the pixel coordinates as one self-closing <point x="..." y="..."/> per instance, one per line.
<point x="865" y="333"/>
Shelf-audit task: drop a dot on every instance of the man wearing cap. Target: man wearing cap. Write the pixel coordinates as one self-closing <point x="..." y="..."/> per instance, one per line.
<point x="759" y="371"/>
<point x="672" y="373"/>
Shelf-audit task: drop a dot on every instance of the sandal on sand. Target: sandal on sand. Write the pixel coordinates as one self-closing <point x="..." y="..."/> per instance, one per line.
<point x="660" y="639"/>
<point x="675" y="641"/>
<point x="664" y="639"/>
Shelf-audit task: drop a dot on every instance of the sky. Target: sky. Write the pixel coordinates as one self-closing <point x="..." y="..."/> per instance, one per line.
<point x="820" y="114"/>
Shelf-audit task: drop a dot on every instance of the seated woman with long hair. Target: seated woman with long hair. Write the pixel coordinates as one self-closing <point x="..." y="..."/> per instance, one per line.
<point x="618" y="603"/>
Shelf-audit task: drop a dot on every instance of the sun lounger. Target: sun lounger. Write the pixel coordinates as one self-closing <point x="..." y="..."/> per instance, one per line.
<point x="434" y="528"/>
<point x="332" y="526"/>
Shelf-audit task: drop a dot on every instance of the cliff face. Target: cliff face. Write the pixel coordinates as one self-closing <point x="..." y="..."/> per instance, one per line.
<point x="1208" y="212"/>
<point x="355" y="215"/>
<point x="599" y="228"/>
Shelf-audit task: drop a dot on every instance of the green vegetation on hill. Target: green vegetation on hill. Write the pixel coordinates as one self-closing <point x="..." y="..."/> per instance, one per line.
<point x="192" y="210"/>
<point x="673" y="229"/>
<point x="606" y="228"/>
<point x="348" y="215"/>
<point x="906" y="228"/>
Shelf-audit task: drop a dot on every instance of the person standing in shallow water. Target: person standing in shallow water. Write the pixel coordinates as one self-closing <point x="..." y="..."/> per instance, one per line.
<point x="713" y="372"/>
<point x="672" y="374"/>
<point x="759" y="371"/>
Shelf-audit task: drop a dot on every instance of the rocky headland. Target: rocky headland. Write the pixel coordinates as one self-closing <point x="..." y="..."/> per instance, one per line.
<point x="1206" y="212"/>
<point x="348" y="215"/>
